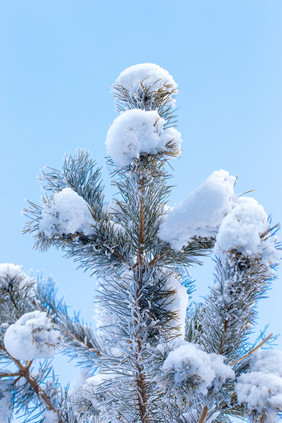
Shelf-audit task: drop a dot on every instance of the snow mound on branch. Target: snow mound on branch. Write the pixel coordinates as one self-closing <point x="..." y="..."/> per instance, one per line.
<point x="188" y="363"/>
<point x="67" y="213"/>
<point x="12" y="273"/>
<point x="93" y="389"/>
<point x="178" y="303"/>
<point x="137" y="132"/>
<point x="98" y="379"/>
<point x="242" y="228"/>
<point x="268" y="360"/>
<point x="261" y="388"/>
<point x="202" y="211"/>
<point x="32" y="336"/>
<point x="6" y="410"/>
<point x="152" y="77"/>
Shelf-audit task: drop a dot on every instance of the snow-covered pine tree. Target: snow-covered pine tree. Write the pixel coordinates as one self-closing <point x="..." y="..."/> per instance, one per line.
<point x="152" y="358"/>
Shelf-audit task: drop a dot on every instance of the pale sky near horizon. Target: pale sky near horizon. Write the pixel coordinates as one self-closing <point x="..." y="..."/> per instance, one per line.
<point x="57" y="63"/>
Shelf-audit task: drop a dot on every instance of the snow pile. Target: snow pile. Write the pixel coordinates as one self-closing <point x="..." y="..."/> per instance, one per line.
<point x="261" y="388"/>
<point x="50" y="417"/>
<point x="189" y="364"/>
<point x="202" y="211"/>
<point x="6" y="410"/>
<point x="32" y="336"/>
<point x="178" y="303"/>
<point x="242" y="228"/>
<point x="99" y="378"/>
<point x="67" y="213"/>
<point x="93" y="391"/>
<point x="152" y="77"/>
<point x="12" y="273"/>
<point x="136" y="132"/>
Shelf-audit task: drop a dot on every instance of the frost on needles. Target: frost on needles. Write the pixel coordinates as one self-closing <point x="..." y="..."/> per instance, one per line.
<point x="154" y="356"/>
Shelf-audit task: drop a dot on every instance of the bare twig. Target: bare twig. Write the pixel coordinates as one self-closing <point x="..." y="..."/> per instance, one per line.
<point x="254" y="349"/>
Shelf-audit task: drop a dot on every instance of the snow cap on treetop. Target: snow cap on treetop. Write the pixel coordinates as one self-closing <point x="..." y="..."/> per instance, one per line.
<point x="136" y="132"/>
<point x="148" y="76"/>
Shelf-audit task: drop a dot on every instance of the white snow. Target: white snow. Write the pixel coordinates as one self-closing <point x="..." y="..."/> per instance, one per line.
<point x="98" y="379"/>
<point x="138" y="131"/>
<point x="6" y="410"/>
<point x="241" y="230"/>
<point x="32" y="336"/>
<point x="268" y="360"/>
<point x="189" y="363"/>
<point x="67" y="213"/>
<point x="12" y="273"/>
<point x="201" y="213"/>
<point x="178" y="303"/>
<point x="50" y="417"/>
<point x="91" y="388"/>
<point x="151" y="76"/>
<point x="261" y="387"/>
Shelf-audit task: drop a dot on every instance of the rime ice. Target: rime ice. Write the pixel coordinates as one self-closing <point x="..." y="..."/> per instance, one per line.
<point x="137" y="132"/>
<point x="202" y="211"/>
<point x="32" y="336"/>
<point x="67" y="213"/>
<point x="152" y="77"/>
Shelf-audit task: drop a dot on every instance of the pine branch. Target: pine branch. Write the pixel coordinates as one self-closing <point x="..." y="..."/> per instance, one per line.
<point x="24" y="371"/>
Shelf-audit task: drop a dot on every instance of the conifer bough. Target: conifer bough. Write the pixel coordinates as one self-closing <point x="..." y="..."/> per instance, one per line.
<point x="153" y="358"/>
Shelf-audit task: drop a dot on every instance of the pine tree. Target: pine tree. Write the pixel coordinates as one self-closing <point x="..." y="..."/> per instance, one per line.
<point x="152" y="358"/>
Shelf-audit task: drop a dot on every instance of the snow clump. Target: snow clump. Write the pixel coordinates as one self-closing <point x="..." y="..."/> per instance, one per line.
<point x="67" y="213"/>
<point x="201" y="213"/>
<point x="241" y="230"/>
<point x="32" y="336"/>
<point x="12" y="273"/>
<point x="261" y="388"/>
<point x="188" y="363"/>
<point x="94" y="391"/>
<point x="137" y="132"/>
<point x="152" y="77"/>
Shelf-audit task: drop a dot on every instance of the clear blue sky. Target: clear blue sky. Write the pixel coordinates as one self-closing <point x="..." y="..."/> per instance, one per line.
<point x="58" y="61"/>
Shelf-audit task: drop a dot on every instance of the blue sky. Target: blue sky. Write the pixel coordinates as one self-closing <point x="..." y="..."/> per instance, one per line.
<point x="58" y="61"/>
